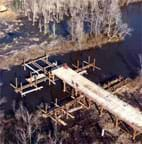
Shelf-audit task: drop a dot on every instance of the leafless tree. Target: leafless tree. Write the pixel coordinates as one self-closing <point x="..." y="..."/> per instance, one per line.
<point x="26" y="125"/>
<point x="103" y="16"/>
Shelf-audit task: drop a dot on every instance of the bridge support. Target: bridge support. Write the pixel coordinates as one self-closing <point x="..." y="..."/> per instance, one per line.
<point x="107" y="101"/>
<point x="101" y="111"/>
<point x="64" y="86"/>
<point x="83" y="94"/>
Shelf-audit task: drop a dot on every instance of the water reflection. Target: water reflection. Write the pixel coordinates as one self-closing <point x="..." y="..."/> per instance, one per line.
<point x="10" y="37"/>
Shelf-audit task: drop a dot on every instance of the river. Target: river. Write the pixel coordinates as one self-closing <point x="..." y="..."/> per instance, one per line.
<point x="114" y="60"/>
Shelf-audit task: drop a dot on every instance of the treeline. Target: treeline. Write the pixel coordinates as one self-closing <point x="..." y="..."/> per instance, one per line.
<point x="85" y="18"/>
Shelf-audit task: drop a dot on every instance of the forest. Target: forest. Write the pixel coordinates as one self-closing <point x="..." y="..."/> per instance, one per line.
<point x="85" y="18"/>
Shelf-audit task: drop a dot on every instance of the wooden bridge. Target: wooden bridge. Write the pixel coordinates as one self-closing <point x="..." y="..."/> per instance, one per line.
<point x="84" y="94"/>
<point x="120" y="109"/>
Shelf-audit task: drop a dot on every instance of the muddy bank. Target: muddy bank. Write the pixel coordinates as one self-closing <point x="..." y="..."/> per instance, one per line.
<point x="59" y="46"/>
<point x="127" y="2"/>
<point x="20" y="40"/>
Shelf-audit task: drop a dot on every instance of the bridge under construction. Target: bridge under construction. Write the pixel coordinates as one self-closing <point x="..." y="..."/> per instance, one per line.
<point x="83" y="92"/>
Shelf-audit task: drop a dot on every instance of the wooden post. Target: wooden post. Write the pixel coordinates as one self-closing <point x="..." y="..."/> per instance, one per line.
<point x="89" y="59"/>
<point x="16" y="82"/>
<point x="35" y="80"/>
<point x="64" y="86"/>
<point x="24" y="64"/>
<point x="94" y="65"/>
<point x="53" y="78"/>
<point x="116" y="122"/>
<point x="76" y="92"/>
<point x="46" y="108"/>
<point x="97" y="108"/>
<point x="46" y="56"/>
<point x="66" y="108"/>
<point x="44" y="71"/>
<point x="31" y="78"/>
<point x="134" y="134"/>
<point x="56" y="124"/>
<point x="21" y="88"/>
<point x="49" y="77"/>
<point x="78" y="63"/>
<point x="101" y="111"/>
<point x="88" y="102"/>
<point x="56" y="102"/>
<point x="45" y="59"/>
<point x="72" y="92"/>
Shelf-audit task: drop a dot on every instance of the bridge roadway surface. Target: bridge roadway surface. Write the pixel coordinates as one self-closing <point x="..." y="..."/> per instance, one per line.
<point x="122" y="110"/>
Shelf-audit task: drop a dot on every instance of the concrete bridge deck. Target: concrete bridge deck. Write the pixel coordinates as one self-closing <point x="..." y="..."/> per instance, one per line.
<point x="110" y="102"/>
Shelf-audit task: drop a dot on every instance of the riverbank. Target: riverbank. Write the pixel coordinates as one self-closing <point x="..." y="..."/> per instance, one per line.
<point x="59" y="46"/>
<point x="124" y="3"/>
<point x="31" y="46"/>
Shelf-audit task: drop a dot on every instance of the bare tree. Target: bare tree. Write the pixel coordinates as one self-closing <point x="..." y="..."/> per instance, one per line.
<point x="26" y="125"/>
<point x="103" y="16"/>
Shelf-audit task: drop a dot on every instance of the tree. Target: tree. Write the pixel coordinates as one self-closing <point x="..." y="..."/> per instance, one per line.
<point x="26" y="125"/>
<point x="103" y="16"/>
